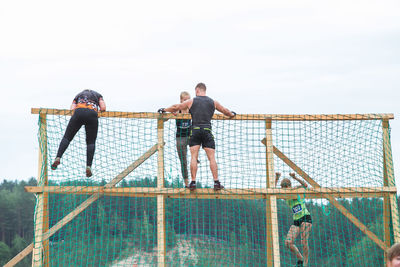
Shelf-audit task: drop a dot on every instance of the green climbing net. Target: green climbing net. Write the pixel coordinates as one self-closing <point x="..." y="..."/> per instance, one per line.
<point x="122" y="230"/>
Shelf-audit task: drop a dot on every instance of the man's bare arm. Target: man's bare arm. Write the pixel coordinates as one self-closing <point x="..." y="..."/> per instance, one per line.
<point x="181" y="106"/>
<point x="277" y="176"/>
<point x="223" y="110"/>
<point x="293" y="175"/>
<point x="102" y="104"/>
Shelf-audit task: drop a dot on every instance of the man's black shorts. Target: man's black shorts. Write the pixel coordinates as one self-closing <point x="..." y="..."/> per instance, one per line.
<point x="305" y="218"/>
<point x="201" y="136"/>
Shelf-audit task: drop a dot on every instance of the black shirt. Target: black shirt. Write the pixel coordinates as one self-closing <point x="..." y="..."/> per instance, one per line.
<point x="183" y="128"/>
<point x="88" y="97"/>
<point x="202" y="110"/>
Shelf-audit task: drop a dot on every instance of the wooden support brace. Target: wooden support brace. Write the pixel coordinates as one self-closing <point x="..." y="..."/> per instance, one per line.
<point x="386" y="202"/>
<point x="161" y="227"/>
<point x="389" y="174"/>
<point x="20" y="256"/>
<point x="273" y="255"/>
<point x="85" y="204"/>
<point x="161" y="235"/>
<point x="41" y="247"/>
<point x="332" y="200"/>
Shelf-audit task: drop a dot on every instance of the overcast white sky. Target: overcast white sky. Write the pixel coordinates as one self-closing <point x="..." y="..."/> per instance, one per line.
<point x="291" y="57"/>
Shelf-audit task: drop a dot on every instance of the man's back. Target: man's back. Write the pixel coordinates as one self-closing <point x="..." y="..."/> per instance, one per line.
<point x="202" y="110"/>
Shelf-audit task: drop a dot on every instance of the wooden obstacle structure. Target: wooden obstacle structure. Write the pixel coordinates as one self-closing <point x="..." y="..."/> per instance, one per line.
<point x="270" y="193"/>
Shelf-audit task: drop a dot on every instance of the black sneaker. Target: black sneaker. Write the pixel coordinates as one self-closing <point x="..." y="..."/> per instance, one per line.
<point x="218" y="186"/>
<point x="299" y="263"/>
<point x="55" y="163"/>
<point x="88" y="171"/>
<point x="192" y="186"/>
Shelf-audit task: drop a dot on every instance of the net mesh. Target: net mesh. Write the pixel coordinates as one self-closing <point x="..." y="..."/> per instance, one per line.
<point x="208" y="231"/>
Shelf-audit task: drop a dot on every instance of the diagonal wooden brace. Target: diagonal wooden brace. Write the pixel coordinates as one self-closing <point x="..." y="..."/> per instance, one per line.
<point x="85" y="204"/>
<point x="331" y="199"/>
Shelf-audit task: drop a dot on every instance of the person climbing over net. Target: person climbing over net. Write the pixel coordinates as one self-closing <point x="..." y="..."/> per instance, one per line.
<point x="85" y="106"/>
<point x="302" y="222"/>
<point x="202" y="109"/>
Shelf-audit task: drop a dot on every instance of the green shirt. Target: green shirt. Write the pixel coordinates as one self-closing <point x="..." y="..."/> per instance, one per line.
<point x="298" y="207"/>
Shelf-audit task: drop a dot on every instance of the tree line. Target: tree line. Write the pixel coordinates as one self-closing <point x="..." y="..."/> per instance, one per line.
<point x="221" y="232"/>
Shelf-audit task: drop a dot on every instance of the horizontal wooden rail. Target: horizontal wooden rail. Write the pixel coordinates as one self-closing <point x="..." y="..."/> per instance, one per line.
<point x="208" y="193"/>
<point x="274" y="117"/>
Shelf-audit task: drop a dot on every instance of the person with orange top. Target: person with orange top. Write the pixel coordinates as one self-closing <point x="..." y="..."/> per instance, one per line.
<point x="85" y="106"/>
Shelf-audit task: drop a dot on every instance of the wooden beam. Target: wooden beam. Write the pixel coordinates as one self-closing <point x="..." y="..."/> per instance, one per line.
<point x="273" y="255"/>
<point x="161" y="240"/>
<point x="387" y="149"/>
<point x="386" y="203"/>
<point x="263" y="117"/>
<point x="37" y="254"/>
<point x="95" y="196"/>
<point x="160" y="156"/>
<point x="161" y="236"/>
<point x="40" y="255"/>
<point x="332" y="200"/>
<point x="20" y="256"/>
<point x="227" y="193"/>
<point x="46" y="213"/>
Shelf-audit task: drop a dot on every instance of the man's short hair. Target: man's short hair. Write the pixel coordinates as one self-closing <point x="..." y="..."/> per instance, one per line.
<point x="201" y="86"/>
<point x="393" y="251"/>
<point x="184" y="93"/>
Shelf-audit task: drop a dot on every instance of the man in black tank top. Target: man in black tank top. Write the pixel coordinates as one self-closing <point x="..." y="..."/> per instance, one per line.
<point x="85" y="105"/>
<point x="202" y="109"/>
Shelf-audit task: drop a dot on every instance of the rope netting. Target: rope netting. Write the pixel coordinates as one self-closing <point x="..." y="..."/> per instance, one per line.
<point x="201" y="229"/>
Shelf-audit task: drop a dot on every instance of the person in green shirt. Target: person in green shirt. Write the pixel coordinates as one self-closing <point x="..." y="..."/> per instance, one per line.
<point x="302" y="222"/>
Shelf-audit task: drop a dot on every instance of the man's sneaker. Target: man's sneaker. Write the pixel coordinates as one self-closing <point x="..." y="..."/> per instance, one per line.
<point x="218" y="186"/>
<point x="192" y="186"/>
<point x="55" y="163"/>
<point x="88" y="171"/>
<point x="299" y="263"/>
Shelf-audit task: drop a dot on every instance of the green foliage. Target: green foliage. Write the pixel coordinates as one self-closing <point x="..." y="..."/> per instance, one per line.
<point x="16" y="219"/>
<point x="18" y="244"/>
<point x="218" y="232"/>
<point x="171" y="236"/>
<point x="146" y="234"/>
<point x="366" y="252"/>
<point x="5" y="253"/>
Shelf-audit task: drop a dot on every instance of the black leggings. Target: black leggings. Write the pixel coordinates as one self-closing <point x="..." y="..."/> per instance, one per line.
<point x="82" y="116"/>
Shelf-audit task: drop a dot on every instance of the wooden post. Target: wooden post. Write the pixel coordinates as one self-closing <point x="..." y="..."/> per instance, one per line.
<point x="273" y="257"/>
<point x="161" y="242"/>
<point x="40" y="255"/>
<point x="389" y="175"/>
<point x="386" y="203"/>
